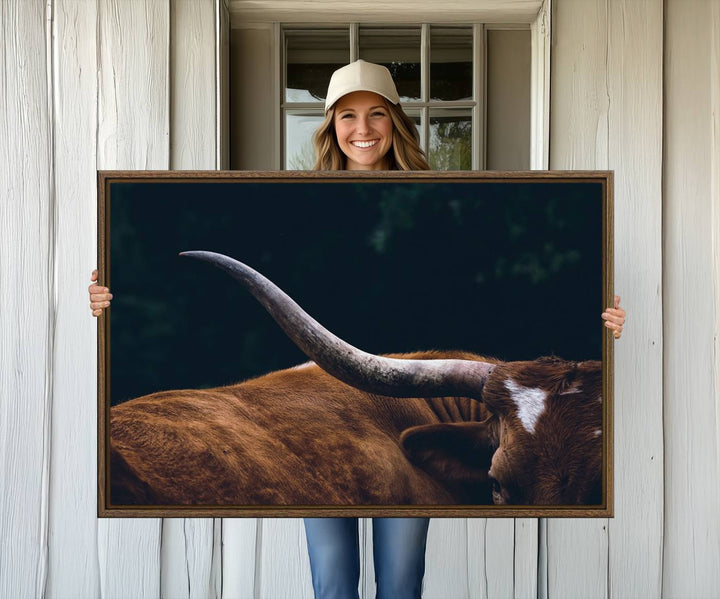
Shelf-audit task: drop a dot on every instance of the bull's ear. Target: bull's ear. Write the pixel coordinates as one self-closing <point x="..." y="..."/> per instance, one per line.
<point x="457" y="455"/>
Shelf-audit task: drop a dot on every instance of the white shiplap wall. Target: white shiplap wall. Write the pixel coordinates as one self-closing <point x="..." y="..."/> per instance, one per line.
<point x="119" y="84"/>
<point x="606" y="112"/>
<point x="27" y="314"/>
<point x="691" y="204"/>
<point x="73" y="548"/>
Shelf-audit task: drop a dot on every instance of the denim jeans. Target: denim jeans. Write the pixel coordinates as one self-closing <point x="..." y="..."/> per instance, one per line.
<point x="398" y="552"/>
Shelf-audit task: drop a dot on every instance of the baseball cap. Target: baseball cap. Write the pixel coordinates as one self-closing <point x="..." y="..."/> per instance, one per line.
<point x="361" y="76"/>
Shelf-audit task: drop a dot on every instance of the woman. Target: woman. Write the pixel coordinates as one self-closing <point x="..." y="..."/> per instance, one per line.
<point x="365" y="129"/>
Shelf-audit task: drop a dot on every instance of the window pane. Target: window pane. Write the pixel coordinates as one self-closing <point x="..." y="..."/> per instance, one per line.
<point x="451" y="56"/>
<point x="299" y="149"/>
<point x="398" y="50"/>
<point x="414" y="115"/>
<point x="450" y="145"/>
<point x="311" y="58"/>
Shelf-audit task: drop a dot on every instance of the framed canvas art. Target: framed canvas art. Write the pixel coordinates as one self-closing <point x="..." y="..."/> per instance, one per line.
<point x="355" y="344"/>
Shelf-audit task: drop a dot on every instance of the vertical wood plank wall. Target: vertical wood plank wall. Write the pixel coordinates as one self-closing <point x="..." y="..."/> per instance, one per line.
<point x="691" y="204"/>
<point x="73" y="549"/>
<point x="606" y="112"/>
<point x="117" y="84"/>
<point x="27" y="315"/>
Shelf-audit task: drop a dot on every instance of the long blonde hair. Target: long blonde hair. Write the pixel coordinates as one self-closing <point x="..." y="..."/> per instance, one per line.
<point x="405" y="154"/>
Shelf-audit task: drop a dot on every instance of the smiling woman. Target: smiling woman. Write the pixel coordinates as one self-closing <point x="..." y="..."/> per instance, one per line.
<point x="365" y="128"/>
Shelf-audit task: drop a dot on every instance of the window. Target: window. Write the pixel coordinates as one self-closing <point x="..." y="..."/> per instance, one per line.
<point x="432" y="68"/>
<point x="466" y="86"/>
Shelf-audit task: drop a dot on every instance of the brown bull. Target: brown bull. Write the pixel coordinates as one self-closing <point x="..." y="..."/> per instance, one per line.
<point x="469" y="430"/>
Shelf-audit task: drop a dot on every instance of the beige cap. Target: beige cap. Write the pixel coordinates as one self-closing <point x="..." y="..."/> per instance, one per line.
<point x="361" y="76"/>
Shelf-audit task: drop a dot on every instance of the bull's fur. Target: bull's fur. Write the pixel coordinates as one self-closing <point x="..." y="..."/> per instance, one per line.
<point x="300" y="437"/>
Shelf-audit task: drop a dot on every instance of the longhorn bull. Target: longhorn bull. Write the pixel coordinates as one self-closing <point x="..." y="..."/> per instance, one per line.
<point x="469" y="429"/>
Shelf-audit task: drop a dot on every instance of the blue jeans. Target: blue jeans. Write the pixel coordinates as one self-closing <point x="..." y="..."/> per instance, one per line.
<point x="398" y="552"/>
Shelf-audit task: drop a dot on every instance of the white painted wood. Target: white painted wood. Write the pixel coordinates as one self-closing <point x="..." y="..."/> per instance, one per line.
<point x="187" y="558"/>
<point x="540" y="32"/>
<point x="27" y="315"/>
<point x="193" y="85"/>
<point x="133" y="131"/>
<point x="222" y="62"/>
<point x="490" y="547"/>
<point x="367" y="565"/>
<point x="635" y="91"/>
<point x="72" y="550"/>
<point x="525" y="572"/>
<point x="715" y="195"/>
<point x="579" y="98"/>
<point x="129" y="558"/>
<point x="607" y="113"/>
<point x="577" y="558"/>
<point x="133" y="125"/>
<point x="283" y="565"/>
<point x="692" y="399"/>
<point x="542" y="580"/>
<point x="187" y="544"/>
<point x="446" y="559"/>
<point x="239" y="554"/>
<point x="399" y="11"/>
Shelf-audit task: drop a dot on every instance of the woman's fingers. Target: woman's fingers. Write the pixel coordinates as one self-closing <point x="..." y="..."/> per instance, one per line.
<point x="99" y="296"/>
<point x="615" y="328"/>
<point x="614" y="316"/>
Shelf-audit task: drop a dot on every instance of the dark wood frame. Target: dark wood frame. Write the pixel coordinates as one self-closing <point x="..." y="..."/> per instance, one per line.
<point x="105" y="509"/>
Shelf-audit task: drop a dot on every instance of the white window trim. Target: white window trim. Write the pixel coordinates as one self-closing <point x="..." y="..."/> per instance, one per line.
<point x="540" y="89"/>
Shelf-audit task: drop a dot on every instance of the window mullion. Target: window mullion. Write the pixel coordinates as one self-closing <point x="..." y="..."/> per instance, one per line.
<point x="425" y="86"/>
<point x="280" y="40"/>
<point x="479" y="82"/>
<point x="354" y="41"/>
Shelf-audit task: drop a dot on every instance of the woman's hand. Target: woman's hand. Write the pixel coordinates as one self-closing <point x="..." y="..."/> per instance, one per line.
<point x="99" y="296"/>
<point x="615" y="318"/>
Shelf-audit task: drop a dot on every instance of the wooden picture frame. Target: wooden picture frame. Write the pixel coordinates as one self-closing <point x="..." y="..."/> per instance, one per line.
<point x="511" y="266"/>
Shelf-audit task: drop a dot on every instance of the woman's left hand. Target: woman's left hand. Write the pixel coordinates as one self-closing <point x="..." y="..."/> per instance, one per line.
<point x="615" y="318"/>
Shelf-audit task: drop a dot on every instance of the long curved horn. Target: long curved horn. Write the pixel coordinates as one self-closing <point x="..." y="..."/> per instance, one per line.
<point x="376" y="374"/>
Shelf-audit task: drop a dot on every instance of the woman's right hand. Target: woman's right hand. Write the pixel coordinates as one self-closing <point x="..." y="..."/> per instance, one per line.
<point x="99" y="296"/>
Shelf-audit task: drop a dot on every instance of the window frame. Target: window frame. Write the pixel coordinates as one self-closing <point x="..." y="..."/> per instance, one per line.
<point x="476" y="106"/>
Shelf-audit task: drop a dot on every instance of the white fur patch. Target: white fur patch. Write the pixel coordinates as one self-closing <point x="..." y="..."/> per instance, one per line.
<point x="598" y="432"/>
<point x="530" y="403"/>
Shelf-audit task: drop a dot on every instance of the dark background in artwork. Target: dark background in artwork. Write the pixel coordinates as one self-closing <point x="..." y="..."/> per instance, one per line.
<point x="512" y="270"/>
